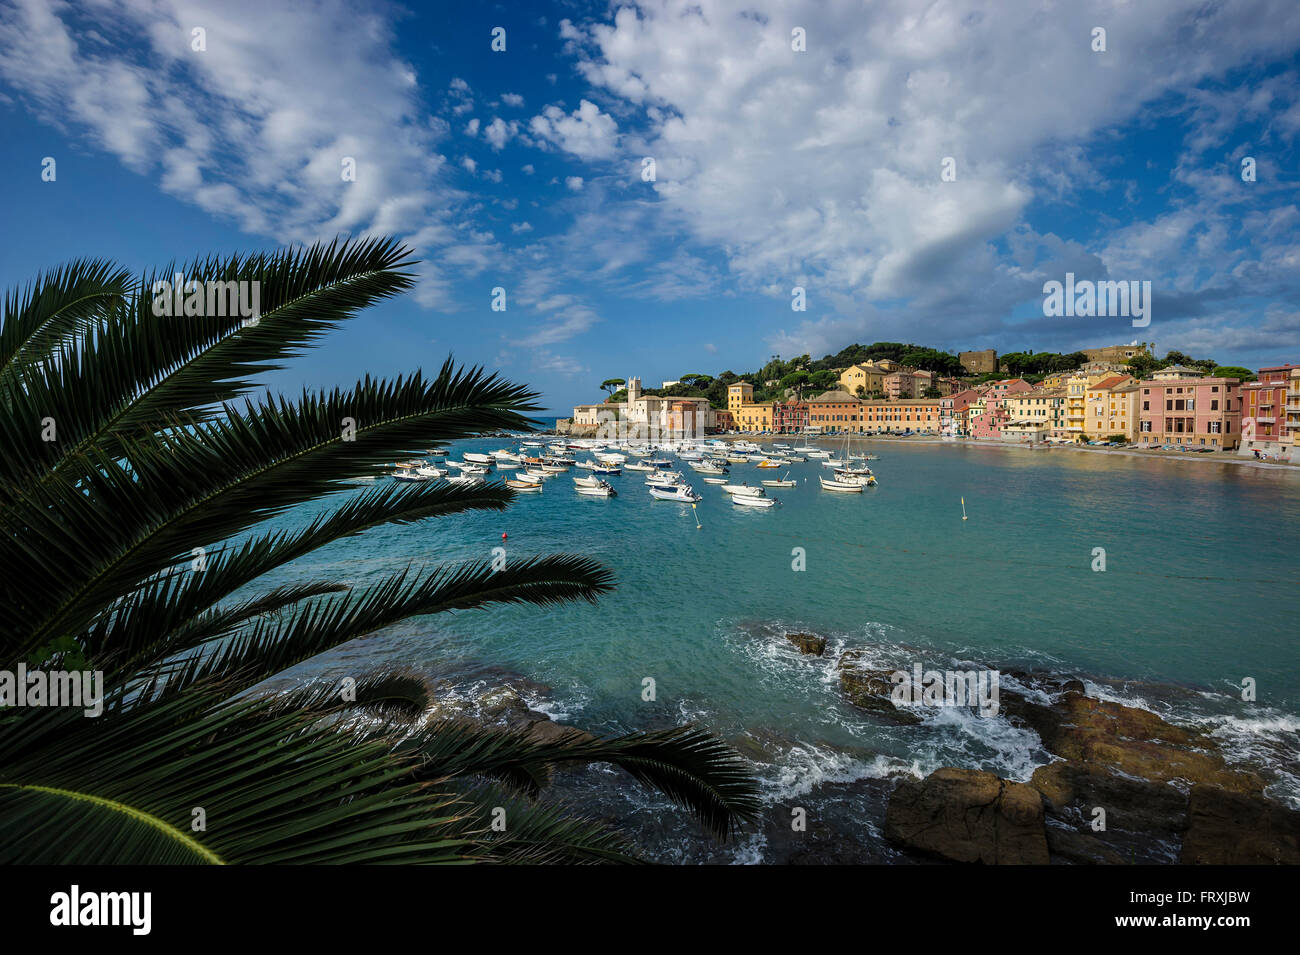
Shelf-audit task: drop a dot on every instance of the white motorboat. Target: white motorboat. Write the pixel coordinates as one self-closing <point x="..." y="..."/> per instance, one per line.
<point x="534" y="444"/>
<point x="795" y="459"/>
<point x="430" y="473"/>
<point x="587" y="465"/>
<point x="603" y="489"/>
<point x="587" y="481"/>
<point x="713" y="480"/>
<point x="851" y="487"/>
<point x="474" y="458"/>
<point x="681" y="492"/>
<point x="664" y="477"/>
<point x="818" y="453"/>
<point x="737" y="458"/>
<point x="658" y="462"/>
<point x="611" y="457"/>
<point x="833" y="463"/>
<point x="704" y="468"/>
<point x="503" y="457"/>
<point x="408" y="474"/>
<point x="748" y="500"/>
<point x="782" y="482"/>
<point x="523" y="485"/>
<point x="637" y="466"/>
<point x="530" y="475"/>
<point x="743" y="489"/>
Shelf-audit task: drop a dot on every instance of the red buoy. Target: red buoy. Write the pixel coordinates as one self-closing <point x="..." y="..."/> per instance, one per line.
<point x="503" y="536"/>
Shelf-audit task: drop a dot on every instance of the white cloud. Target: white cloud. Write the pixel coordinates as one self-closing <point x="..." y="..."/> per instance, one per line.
<point x="254" y="130"/>
<point x="573" y="182"/>
<point x="586" y="132"/>
<point x="498" y="132"/>
<point x="471" y="128"/>
<point x="823" y="168"/>
<point x="512" y="99"/>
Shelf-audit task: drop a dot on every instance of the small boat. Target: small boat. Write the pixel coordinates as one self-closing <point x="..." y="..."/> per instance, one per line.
<point x="681" y="492"/>
<point x="607" y="469"/>
<point x="783" y="482"/>
<point x="587" y="465"/>
<point x="851" y="487"/>
<point x="769" y="463"/>
<point x="504" y="457"/>
<point x="833" y="463"/>
<point x="707" y="468"/>
<point x="430" y="473"/>
<point x="711" y="480"/>
<point x="658" y="462"/>
<point x="587" y="481"/>
<point x="408" y="474"/>
<point x="611" y="457"/>
<point x="438" y="452"/>
<point x="478" y="458"/>
<point x="743" y="489"/>
<point x="737" y="459"/>
<point x="817" y="453"/>
<point x="603" y="489"/>
<point x="534" y="444"/>
<point x="531" y="477"/>
<point x="557" y="459"/>
<point x="554" y="468"/>
<point x="750" y="501"/>
<point x="524" y="485"/>
<point x="637" y="466"/>
<point x="795" y="459"/>
<point x="664" y="477"/>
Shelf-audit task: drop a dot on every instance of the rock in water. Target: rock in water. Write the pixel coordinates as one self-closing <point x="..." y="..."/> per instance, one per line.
<point x="871" y="690"/>
<point x="968" y="815"/>
<point x="1228" y="828"/>
<point x="808" y="643"/>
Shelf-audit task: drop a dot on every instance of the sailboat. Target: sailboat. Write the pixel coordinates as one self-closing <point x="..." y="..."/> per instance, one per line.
<point x="963" y="508"/>
<point x="783" y="482"/>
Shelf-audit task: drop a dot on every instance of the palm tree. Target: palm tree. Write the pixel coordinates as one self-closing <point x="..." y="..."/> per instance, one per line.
<point x="136" y="471"/>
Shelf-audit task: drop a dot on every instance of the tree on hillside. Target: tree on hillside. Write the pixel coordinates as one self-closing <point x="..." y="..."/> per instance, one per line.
<point x="1233" y="371"/>
<point x="612" y="385"/>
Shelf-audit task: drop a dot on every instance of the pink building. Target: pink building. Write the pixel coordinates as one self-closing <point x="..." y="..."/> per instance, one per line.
<point x="1263" y="411"/>
<point x="1198" y="412"/>
<point x="989" y="424"/>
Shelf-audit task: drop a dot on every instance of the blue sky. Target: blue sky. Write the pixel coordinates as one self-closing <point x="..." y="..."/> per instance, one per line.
<point x="821" y="168"/>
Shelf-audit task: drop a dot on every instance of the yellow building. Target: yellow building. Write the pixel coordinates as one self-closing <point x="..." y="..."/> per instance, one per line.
<point x="1112" y="408"/>
<point x="741" y="393"/>
<point x="866" y="376"/>
<point x="1036" y="414"/>
<point x="754" y="417"/>
<point x="1076" y="402"/>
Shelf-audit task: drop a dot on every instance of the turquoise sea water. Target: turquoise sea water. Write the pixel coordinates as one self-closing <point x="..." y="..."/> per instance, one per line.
<point x="1199" y="592"/>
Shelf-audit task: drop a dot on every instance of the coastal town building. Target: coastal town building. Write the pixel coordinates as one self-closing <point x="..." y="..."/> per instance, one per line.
<point x="1034" y="415"/>
<point x="1118" y="354"/>
<point x="979" y="362"/>
<point x="867" y="377"/>
<point x="754" y="417"/>
<point x="954" y="413"/>
<point x="642" y="415"/>
<point x="1190" y="411"/>
<point x="834" y="411"/>
<point x="1264" y="425"/>
<point x="1293" y="412"/>
<point x="790" y="417"/>
<point x="900" y="384"/>
<point x="907" y="414"/>
<point x="1175" y="372"/>
<point x="1111" y="408"/>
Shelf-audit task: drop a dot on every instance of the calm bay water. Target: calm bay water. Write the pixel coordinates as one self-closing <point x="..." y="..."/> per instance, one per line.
<point x="1199" y="592"/>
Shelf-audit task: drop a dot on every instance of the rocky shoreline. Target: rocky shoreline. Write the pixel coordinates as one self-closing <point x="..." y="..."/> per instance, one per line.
<point x="1125" y="785"/>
